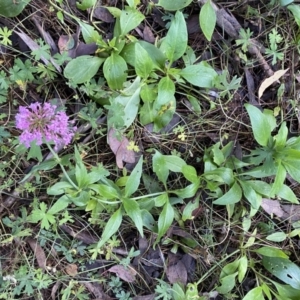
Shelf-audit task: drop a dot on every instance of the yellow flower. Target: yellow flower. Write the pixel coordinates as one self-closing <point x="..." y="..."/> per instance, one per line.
<point x="133" y="147"/>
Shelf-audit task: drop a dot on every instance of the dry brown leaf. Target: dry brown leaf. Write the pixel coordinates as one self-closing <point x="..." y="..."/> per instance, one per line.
<point x="177" y="273"/>
<point x="285" y="212"/>
<point x="126" y="274"/>
<point x="72" y="269"/>
<point x="272" y="207"/>
<point x="38" y="252"/>
<point x="119" y="148"/>
<point x="269" y="81"/>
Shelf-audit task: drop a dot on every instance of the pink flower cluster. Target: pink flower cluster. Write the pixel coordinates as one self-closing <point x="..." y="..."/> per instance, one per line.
<point x="42" y="123"/>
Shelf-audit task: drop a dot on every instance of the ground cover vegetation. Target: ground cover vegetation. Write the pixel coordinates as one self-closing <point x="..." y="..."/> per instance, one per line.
<point x="149" y="149"/>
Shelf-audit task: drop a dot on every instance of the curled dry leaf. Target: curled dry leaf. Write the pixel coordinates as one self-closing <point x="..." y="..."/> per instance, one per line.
<point x="270" y="80"/>
<point x="120" y="148"/>
<point x="126" y="274"/>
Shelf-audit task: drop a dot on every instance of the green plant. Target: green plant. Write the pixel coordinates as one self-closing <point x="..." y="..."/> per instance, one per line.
<point x="274" y="39"/>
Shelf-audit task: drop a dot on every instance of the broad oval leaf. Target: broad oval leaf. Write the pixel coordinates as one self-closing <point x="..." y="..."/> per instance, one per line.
<point x="114" y="70"/>
<point x="174" y="44"/>
<point x="59" y="188"/>
<point x="234" y="195"/>
<point x="111" y="227"/>
<point x="283" y="269"/>
<point x="243" y="266"/>
<point x="201" y="75"/>
<point x="143" y="62"/>
<point x="130" y="18"/>
<point x="11" y="8"/>
<point x="276" y="236"/>
<point x="260" y="126"/>
<point x="59" y="205"/>
<point x="208" y="19"/>
<point x="83" y="68"/>
<point x="174" y="4"/>
<point x="130" y="100"/>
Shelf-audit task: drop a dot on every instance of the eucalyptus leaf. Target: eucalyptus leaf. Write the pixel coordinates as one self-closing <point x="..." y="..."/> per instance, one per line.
<point x="83" y="68"/>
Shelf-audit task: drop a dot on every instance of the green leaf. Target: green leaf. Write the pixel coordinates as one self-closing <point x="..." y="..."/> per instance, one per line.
<point x="260" y="125"/>
<point x="130" y="18"/>
<point x="165" y="103"/>
<point x="165" y="220"/>
<point x="59" y="205"/>
<point x="89" y="33"/>
<point x="85" y="4"/>
<point x="83" y="68"/>
<point x="12" y="8"/>
<point x="35" y="152"/>
<point x="207" y="19"/>
<point x="260" y="187"/>
<point x="276" y="237"/>
<point x="279" y="180"/>
<point x="234" y="195"/>
<point x="293" y="168"/>
<point x="281" y="137"/>
<point x="227" y="283"/>
<point x="190" y="173"/>
<point x="271" y="251"/>
<point x="174" y="44"/>
<point x="133" y="211"/>
<point x="287" y="292"/>
<point x="106" y="191"/>
<point x="188" y="191"/>
<point x="295" y="9"/>
<point x="189" y="208"/>
<point x="255" y="293"/>
<point x="134" y="179"/>
<point x="111" y="227"/>
<point x="250" y="194"/>
<point x="59" y="188"/>
<point x="114" y="70"/>
<point x="283" y="269"/>
<point x="201" y="75"/>
<point x="287" y="193"/>
<point x="174" y="4"/>
<point x="148" y="220"/>
<point x="174" y="163"/>
<point x="130" y="100"/>
<point x="128" y="53"/>
<point x="143" y="63"/>
<point x="159" y="167"/>
<point x="243" y="266"/>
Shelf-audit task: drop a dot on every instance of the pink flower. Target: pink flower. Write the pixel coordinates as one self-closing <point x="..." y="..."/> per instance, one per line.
<point x="42" y="123"/>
